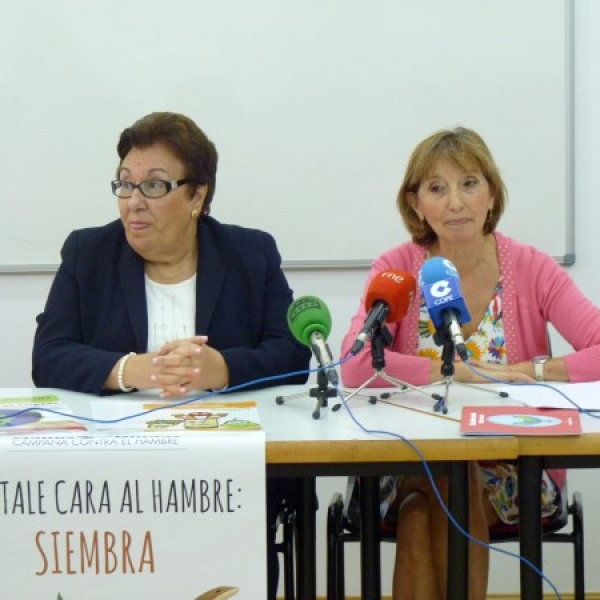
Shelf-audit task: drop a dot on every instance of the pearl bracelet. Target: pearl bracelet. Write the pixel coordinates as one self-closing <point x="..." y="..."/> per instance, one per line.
<point x="121" y="370"/>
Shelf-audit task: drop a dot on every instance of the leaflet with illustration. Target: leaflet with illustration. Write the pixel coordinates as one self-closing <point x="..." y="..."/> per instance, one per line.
<point x="36" y="414"/>
<point x="519" y="420"/>
<point x="179" y="418"/>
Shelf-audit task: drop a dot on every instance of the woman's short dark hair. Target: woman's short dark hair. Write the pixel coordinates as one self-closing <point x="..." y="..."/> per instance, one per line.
<point x="465" y="148"/>
<point x="184" y="138"/>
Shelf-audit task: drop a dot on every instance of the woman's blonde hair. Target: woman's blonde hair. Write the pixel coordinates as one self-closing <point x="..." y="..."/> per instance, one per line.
<point x="465" y="148"/>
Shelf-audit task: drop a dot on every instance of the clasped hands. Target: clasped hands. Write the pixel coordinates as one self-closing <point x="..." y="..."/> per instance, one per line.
<point x="188" y="364"/>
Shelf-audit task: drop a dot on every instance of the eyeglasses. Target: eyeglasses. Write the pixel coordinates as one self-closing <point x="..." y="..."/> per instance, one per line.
<point x="151" y="188"/>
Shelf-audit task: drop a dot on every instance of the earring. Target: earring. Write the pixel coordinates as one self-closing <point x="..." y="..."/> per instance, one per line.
<point x="195" y="214"/>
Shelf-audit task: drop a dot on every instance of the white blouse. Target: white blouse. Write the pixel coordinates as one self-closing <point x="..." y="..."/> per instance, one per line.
<point x="171" y="311"/>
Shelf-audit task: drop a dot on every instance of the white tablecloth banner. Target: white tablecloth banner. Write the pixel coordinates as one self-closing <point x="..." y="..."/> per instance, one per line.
<point x="137" y="516"/>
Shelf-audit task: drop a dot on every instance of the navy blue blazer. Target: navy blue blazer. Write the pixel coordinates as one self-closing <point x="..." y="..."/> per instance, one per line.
<point x="96" y="309"/>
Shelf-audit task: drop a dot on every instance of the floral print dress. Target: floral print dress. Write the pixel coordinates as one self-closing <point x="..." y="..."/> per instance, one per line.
<point x="500" y="479"/>
<point x="488" y="344"/>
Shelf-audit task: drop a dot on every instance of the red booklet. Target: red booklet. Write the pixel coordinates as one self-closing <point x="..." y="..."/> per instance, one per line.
<point x="519" y="420"/>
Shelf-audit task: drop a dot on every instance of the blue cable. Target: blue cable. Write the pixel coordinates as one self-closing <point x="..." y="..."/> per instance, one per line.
<point x="435" y="488"/>
<point x="343" y="402"/>
<point x="167" y="404"/>
<point x="535" y="384"/>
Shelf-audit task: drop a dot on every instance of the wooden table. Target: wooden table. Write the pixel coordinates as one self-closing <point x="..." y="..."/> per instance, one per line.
<point x="335" y="445"/>
<point x="536" y="454"/>
<point x="299" y="446"/>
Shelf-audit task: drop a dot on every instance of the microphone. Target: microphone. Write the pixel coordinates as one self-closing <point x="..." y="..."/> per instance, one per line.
<point x="309" y="320"/>
<point x="387" y="300"/>
<point x="440" y="287"/>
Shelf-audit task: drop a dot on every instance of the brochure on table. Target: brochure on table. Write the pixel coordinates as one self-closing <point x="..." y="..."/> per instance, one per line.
<point x="519" y="420"/>
<point x="37" y="414"/>
<point x="169" y="417"/>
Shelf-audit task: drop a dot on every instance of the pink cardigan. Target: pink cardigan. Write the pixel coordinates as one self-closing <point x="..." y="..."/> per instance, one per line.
<point x="536" y="291"/>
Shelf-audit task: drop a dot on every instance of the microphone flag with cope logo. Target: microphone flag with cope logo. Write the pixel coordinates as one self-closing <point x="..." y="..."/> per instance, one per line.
<point x="440" y="286"/>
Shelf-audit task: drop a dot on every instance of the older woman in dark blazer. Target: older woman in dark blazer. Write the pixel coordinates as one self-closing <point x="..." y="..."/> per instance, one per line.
<point x="167" y="297"/>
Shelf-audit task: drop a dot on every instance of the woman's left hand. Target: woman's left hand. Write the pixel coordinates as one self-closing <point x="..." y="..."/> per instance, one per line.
<point x="188" y="364"/>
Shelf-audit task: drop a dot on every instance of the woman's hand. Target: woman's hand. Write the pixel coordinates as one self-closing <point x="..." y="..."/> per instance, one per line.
<point x="188" y="364"/>
<point x="482" y="370"/>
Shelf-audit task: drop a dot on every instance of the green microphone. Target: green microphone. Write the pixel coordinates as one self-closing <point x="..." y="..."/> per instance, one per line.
<point x="309" y="321"/>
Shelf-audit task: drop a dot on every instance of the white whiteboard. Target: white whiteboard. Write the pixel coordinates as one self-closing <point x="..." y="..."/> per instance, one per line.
<point x="314" y="107"/>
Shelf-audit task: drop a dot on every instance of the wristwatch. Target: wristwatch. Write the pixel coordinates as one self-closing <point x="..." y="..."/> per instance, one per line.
<point x="538" y="366"/>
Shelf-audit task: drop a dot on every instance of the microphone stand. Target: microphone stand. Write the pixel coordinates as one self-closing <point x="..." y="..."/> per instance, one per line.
<point x="447" y="371"/>
<point x="443" y="338"/>
<point x="380" y="340"/>
<point x="322" y="393"/>
<point x="325" y="375"/>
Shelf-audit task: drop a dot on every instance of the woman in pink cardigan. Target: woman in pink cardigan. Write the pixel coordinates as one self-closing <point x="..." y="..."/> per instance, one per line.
<point x="451" y="200"/>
